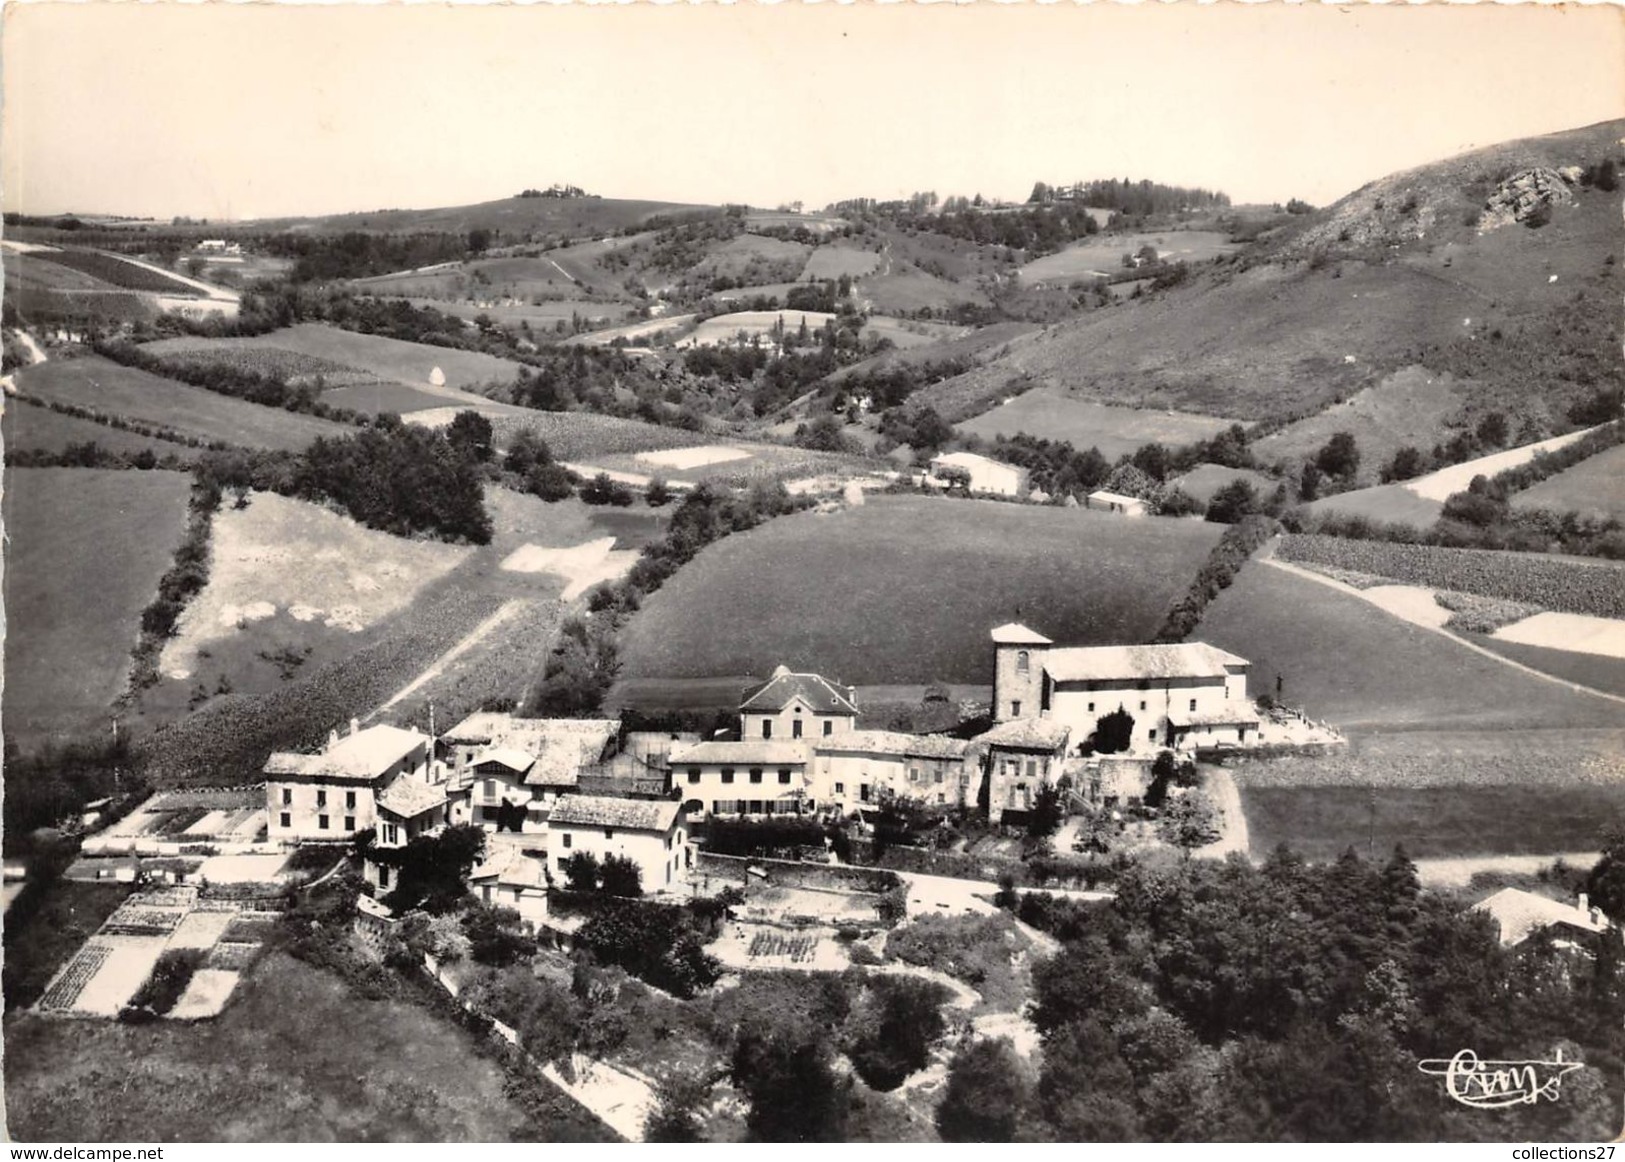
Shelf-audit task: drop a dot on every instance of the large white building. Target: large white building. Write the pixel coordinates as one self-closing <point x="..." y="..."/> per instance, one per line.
<point x="381" y="777"/>
<point x="752" y="776"/>
<point x="652" y="833"/>
<point x="1185" y="694"/>
<point x="791" y="706"/>
<point x="989" y="476"/>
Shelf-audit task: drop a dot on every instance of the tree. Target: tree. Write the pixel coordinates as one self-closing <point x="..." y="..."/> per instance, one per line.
<point x="550" y="482"/>
<point x="897" y="1029"/>
<point x="1045" y="817"/>
<point x="1232" y="502"/>
<point x="1606" y="883"/>
<point x="1339" y="457"/>
<point x="581" y="871"/>
<point x="1114" y="732"/>
<point x="1407" y="463"/>
<point x="525" y="451"/>
<point x="621" y="876"/>
<point x="658" y="494"/>
<point x="679" y="1101"/>
<point x="988" y="1095"/>
<point x="432" y="870"/>
<point x="479" y="240"/>
<point x="1190" y="821"/>
<point x="1492" y="430"/>
<point x="602" y="490"/>
<point x="470" y="433"/>
<point x="789" y="1081"/>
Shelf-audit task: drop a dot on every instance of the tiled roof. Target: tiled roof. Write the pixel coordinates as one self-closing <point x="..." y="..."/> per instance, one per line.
<point x="1044" y="734"/>
<point x="1015" y="634"/>
<point x="1132" y="663"/>
<point x="784" y="687"/>
<point x="409" y="797"/>
<point x="560" y="746"/>
<point x="892" y="742"/>
<point x="1521" y="914"/>
<point x="599" y="811"/>
<point x="513" y="758"/>
<point x="362" y="756"/>
<point x="760" y="751"/>
<point x="1242" y="715"/>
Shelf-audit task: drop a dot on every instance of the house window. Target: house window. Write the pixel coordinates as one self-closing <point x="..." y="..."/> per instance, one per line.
<point x="784" y="776"/>
<point x="349" y="823"/>
<point x="609" y="833"/>
<point x="1091" y="708"/>
<point x="727" y="774"/>
<point x="829" y="728"/>
<point x="1015" y="709"/>
<point x="755" y="806"/>
<point x="321" y="798"/>
<point x="767" y="728"/>
<point x="383" y="876"/>
<point x="1193" y="706"/>
<point x="561" y="861"/>
<point x="322" y="822"/>
<point x="566" y="840"/>
<point x="756" y="774"/>
<point x="287" y="820"/>
<point x="937" y="775"/>
<point x="287" y="798"/>
<point x="795" y="727"/>
<point x="693" y="774"/>
<point x="1022" y="662"/>
<point x="840" y="788"/>
<point x="392" y="833"/>
<point x="1142" y="704"/>
<point x="1152" y="734"/>
<point x="863" y="792"/>
<point x="349" y="800"/>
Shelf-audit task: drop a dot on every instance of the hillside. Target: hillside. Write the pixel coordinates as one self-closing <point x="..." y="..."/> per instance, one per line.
<point x="558" y="216"/>
<point x="1391" y="276"/>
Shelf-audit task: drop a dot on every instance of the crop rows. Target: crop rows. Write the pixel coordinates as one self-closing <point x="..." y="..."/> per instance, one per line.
<point x="1542" y="580"/>
<point x="232" y="956"/>
<point x="67" y="987"/>
<point x="797" y="948"/>
<point x="572" y="435"/>
<point x="294" y="368"/>
<point x="137" y="921"/>
<point x="116" y="271"/>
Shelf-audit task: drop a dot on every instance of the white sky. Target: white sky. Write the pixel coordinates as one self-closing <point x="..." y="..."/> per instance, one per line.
<point x="259" y="110"/>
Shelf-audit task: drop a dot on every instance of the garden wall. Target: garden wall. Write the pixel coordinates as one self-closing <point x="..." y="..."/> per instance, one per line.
<point x="788" y="873"/>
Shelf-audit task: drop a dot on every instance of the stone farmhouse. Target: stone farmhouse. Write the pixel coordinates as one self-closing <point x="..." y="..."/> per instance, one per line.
<point x="1187" y="694"/>
<point x="526" y="764"/>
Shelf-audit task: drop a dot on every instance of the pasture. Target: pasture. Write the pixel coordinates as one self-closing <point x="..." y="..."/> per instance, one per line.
<point x="1594" y="487"/>
<point x="737" y="464"/>
<point x="723" y="329"/>
<point x="541" y="316"/>
<point x="1382" y="503"/>
<point x="296" y="1056"/>
<point x="1101" y="255"/>
<point x="24" y="428"/>
<point x="86" y="548"/>
<point x="1441" y="484"/>
<point x="754" y="258"/>
<point x="115" y="390"/>
<point x="906" y="588"/>
<point x="1347" y="662"/>
<point x="390" y="359"/>
<point x="1594" y="670"/>
<point x="1441" y="794"/>
<point x="1205" y="480"/>
<point x="1409" y="407"/>
<point x="835" y="260"/>
<point x="902" y="289"/>
<point x="378" y="397"/>
<point x="578" y="435"/>
<point x="1116" y="431"/>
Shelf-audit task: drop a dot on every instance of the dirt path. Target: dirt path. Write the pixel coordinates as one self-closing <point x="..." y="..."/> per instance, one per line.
<point x="218" y="293"/>
<point x="1396" y="611"/>
<point x="1221" y="787"/>
<point x="479" y="633"/>
<point x="36" y="354"/>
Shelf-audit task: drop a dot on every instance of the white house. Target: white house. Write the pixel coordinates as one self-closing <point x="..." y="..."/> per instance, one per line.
<point x="1185" y="694"/>
<point x="364" y="779"/>
<point x="499" y="758"/>
<point x="989" y="476"/>
<point x="857" y="767"/>
<point x="791" y="706"/>
<point x="1118" y="503"/>
<point x="509" y="877"/>
<point x="652" y="833"/>
<point x="1519" y="915"/>
<point x="754" y="776"/>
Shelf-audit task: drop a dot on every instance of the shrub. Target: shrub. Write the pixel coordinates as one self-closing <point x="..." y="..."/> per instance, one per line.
<point x="159" y="992"/>
<point x="621" y="876"/>
<point x="581" y="871"/>
<point x="898" y="1023"/>
<point x="602" y="490"/>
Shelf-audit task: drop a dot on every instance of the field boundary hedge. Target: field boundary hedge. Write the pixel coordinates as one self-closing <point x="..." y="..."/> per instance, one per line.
<point x="1239" y="543"/>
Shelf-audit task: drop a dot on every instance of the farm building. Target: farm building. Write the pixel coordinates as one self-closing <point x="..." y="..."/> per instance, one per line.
<point x="523" y="762"/>
<point x="865" y="766"/>
<point x="752" y="777"/>
<point x="511" y="877"/>
<point x="1115" y="502"/>
<point x="653" y="834"/>
<point x="1520" y="915"/>
<point x="342" y="789"/>
<point x="1023" y="754"/>
<point x="1189" y="693"/>
<point x="790" y="705"/>
<point x="989" y="476"/>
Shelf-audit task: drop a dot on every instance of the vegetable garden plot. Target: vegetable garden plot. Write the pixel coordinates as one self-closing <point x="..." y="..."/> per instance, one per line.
<point x="71" y="981"/>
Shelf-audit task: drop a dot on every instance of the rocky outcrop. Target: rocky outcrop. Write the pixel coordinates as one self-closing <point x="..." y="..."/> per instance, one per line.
<point x="1527" y="197"/>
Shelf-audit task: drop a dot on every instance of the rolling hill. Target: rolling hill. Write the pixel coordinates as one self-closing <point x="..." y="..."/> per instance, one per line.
<point x="568" y="217"/>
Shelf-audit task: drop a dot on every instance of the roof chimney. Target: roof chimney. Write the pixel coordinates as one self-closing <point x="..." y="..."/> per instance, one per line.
<point x="355" y="726"/>
<point x="332" y="739"/>
<point x="1585" y="903"/>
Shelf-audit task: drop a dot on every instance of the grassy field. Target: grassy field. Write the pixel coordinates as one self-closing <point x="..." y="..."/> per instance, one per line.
<point x="1346" y="661"/>
<point x="1594" y="487"/>
<point x="1384" y="503"/>
<point x="1114" y="430"/>
<point x="1205" y="480"/>
<point x="115" y="390"/>
<point x="765" y="462"/>
<point x="566" y="217"/>
<point x="38" y="429"/>
<point x="1102" y="255"/>
<point x="1593" y="670"/>
<point x="574" y="435"/>
<point x="541" y="316"/>
<point x="374" y="398"/>
<point x="905" y="589"/>
<point x="296" y="1056"/>
<point x="392" y="359"/>
<point x="834" y="261"/>
<point x="1409" y="407"/>
<point x="36" y="947"/>
<point x="86" y="548"/>
<point x="902" y="288"/>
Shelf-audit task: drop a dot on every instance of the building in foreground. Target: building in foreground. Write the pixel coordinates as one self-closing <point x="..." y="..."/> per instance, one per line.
<point x="652" y="833"/>
<point x="374" y="778"/>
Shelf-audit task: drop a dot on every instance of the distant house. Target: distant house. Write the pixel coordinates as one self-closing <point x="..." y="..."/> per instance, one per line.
<point x="859" y="767"/>
<point x="1115" y="502"/>
<point x="1189" y="693"/>
<point x="755" y="776"/>
<point x="218" y="246"/>
<point x="368" y="778"/>
<point x="988" y="476"/>
<point x="791" y="705"/>
<point x="652" y="833"/>
<point x="1520" y="915"/>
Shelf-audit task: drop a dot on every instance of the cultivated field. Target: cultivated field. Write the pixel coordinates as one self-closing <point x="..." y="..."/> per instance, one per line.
<point x="1347" y="662"/>
<point x="378" y="397"/>
<point x="721" y="464"/>
<point x="726" y="328"/>
<point x="1101" y="256"/>
<point x="113" y="271"/>
<point x="541" y="316"/>
<point x="1597" y="671"/>
<point x="1384" y="504"/>
<point x="115" y="390"/>
<point x="389" y="359"/>
<point x="85" y="550"/>
<point x="270" y="1068"/>
<point x="901" y="288"/>
<point x="1114" y="430"/>
<point x="1442" y="484"/>
<point x="285" y="366"/>
<point x="575" y="435"/>
<point x="1594" y="487"/>
<point x="905" y="589"/>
